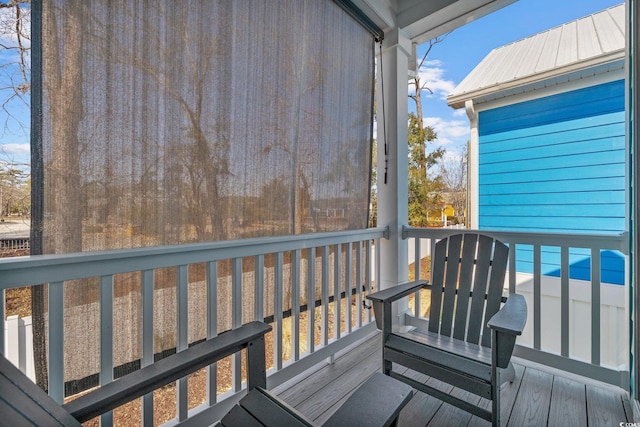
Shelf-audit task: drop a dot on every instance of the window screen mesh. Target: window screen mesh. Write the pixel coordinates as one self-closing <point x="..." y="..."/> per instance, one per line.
<point x="169" y="122"/>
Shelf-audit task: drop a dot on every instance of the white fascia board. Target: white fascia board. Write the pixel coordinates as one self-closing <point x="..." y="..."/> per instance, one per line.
<point x="381" y="12"/>
<point x="550" y="87"/>
<point x="576" y="71"/>
<point x="425" y="20"/>
<point x="411" y="10"/>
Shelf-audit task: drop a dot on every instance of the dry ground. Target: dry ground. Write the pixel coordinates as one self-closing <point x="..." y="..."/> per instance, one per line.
<point x="18" y="302"/>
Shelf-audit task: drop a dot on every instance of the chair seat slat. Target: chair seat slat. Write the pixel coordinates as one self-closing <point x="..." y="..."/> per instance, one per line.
<point x="473" y="359"/>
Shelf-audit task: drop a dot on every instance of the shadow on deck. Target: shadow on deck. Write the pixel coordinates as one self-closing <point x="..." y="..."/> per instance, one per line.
<point x="540" y="396"/>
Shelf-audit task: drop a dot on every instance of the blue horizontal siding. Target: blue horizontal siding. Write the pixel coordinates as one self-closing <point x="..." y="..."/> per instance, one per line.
<point x="578" y="129"/>
<point x="571" y="148"/>
<point x="604" y="158"/>
<point x="588" y="102"/>
<point x="549" y="185"/>
<point x="566" y="200"/>
<point x="556" y="224"/>
<point x="592" y="172"/>
<point x="553" y="211"/>
<point x="556" y="164"/>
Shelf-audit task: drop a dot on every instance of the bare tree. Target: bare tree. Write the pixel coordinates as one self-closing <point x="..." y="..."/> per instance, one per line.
<point x="417" y="83"/>
<point x="63" y="71"/>
<point x="15" y="46"/>
<point x="454" y="176"/>
<point x="203" y="156"/>
<point x="15" y="85"/>
<point x="424" y="191"/>
<point x="301" y="78"/>
<point x="13" y="183"/>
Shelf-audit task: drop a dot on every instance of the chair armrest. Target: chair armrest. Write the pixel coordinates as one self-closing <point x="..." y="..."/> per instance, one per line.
<point x="376" y="402"/>
<point x="512" y="317"/>
<point x="396" y="292"/>
<point x="505" y="325"/>
<point x="382" y="301"/>
<point x="178" y="365"/>
<point x="260" y="407"/>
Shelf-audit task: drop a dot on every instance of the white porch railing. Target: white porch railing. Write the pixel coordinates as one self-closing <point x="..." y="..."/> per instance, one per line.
<point x="342" y="270"/>
<point x="579" y="326"/>
<point x="349" y="275"/>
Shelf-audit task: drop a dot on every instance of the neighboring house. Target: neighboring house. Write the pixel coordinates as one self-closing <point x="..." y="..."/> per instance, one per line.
<point x="547" y="150"/>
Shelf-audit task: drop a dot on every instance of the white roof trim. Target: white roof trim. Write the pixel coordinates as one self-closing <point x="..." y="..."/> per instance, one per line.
<point x="575" y="50"/>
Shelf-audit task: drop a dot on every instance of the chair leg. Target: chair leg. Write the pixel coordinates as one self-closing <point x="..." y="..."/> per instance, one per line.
<point x="495" y="399"/>
<point x="386" y="367"/>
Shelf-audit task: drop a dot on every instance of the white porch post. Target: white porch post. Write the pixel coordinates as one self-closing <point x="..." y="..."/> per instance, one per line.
<point x="633" y="141"/>
<point x="472" y="167"/>
<point x="392" y="166"/>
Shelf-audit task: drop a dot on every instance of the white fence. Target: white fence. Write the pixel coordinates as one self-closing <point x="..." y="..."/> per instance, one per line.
<point x="613" y="325"/>
<point x="18" y="344"/>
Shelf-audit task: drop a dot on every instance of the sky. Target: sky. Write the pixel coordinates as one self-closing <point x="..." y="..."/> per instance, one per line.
<point x="14" y="110"/>
<point x="452" y="59"/>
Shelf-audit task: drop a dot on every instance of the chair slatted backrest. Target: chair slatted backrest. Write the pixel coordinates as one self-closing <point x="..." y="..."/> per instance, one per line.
<point x="467" y="283"/>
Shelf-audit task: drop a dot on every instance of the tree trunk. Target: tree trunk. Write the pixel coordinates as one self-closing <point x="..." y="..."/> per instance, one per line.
<point x="62" y="84"/>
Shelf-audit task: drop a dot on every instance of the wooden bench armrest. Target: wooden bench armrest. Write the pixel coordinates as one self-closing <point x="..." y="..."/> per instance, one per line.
<point x="171" y="368"/>
<point x="512" y="317"/>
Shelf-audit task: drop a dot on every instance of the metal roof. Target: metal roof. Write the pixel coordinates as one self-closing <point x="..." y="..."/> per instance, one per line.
<point x="590" y="45"/>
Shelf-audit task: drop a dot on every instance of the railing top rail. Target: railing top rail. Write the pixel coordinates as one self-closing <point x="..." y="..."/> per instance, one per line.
<point x="619" y="242"/>
<point x="31" y="270"/>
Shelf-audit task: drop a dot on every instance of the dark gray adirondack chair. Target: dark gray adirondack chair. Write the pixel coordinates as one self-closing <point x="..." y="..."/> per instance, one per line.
<point x="376" y="402"/>
<point x="471" y="332"/>
<point x="23" y="403"/>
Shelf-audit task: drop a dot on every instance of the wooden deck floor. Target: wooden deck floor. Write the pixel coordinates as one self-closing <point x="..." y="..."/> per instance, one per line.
<point x="538" y="397"/>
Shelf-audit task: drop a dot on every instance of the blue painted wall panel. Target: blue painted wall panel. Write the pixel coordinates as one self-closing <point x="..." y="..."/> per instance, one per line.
<point x="557" y="164"/>
<point x="553" y="185"/>
<point x="588" y="102"/>
<point x="594" y="172"/>
<point x="588" y="128"/>
<point x="571" y="201"/>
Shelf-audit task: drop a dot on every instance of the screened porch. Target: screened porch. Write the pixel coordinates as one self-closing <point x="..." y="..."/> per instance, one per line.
<point x="175" y="231"/>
